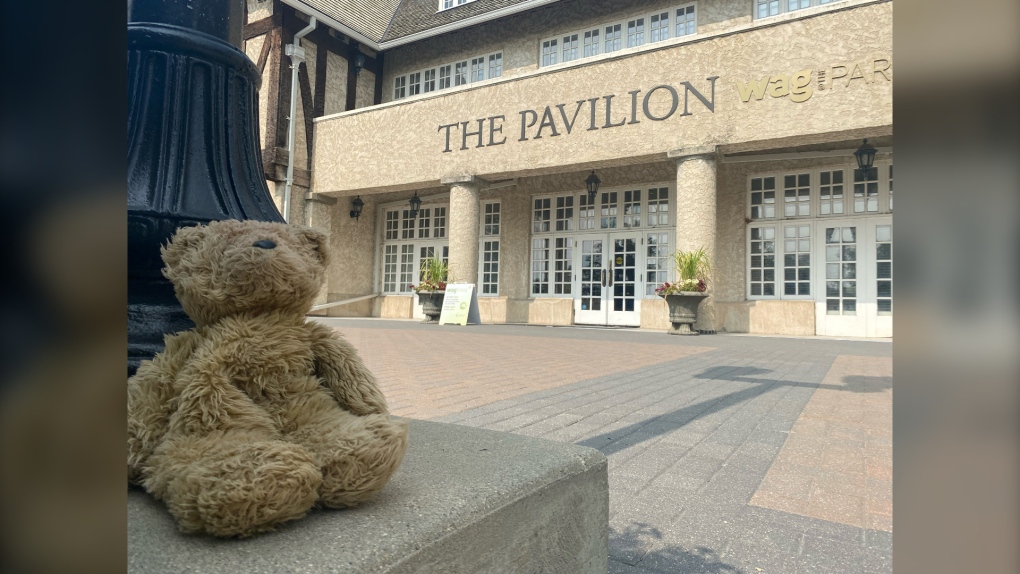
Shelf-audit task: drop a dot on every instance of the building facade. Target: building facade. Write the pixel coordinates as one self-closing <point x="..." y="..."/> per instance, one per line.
<point x="723" y="124"/>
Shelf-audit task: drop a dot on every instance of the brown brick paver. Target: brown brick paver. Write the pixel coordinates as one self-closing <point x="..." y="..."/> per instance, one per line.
<point x="430" y="374"/>
<point x="836" y="464"/>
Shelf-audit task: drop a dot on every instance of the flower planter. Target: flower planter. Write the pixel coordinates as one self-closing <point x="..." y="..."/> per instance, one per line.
<point x="683" y="311"/>
<point x="431" y="304"/>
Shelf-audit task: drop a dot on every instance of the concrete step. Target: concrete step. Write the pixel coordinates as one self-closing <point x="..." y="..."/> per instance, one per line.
<point x="464" y="501"/>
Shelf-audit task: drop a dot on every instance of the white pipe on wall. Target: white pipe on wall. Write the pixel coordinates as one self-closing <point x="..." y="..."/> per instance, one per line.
<point x="297" y="55"/>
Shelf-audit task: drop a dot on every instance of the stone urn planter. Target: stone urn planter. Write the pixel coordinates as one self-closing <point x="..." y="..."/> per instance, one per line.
<point x="431" y="304"/>
<point x="683" y="311"/>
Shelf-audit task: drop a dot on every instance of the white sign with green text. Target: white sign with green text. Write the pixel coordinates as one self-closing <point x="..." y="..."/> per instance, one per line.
<point x="460" y="305"/>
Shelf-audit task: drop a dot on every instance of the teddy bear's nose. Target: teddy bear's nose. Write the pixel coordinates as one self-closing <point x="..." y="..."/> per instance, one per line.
<point x="264" y="244"/>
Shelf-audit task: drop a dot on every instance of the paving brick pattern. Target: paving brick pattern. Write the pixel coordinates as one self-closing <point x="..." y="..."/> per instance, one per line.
<point x="695" y="430"/>
<point x="429" y="374"/>
<point x="837" y="462"/>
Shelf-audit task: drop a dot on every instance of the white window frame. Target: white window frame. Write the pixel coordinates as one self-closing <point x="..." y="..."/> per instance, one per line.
<point x="552" y="49"/>
<point x="676" y="21"/>
<point x="781" y="220"/>
<point x="549" y="49"/>
<point x="445" y="76"/>
<point x="479" y="66"/>
<point x="489" y="233"/>
<point x="658" y="27"/>
<point x="451" y="4"/>
<point x="570" y="47"/>
<point x="591" y="42"/>
<point x="400" y="87"/>
<point x="413" y="239"/>
<point x="495" y="65"/>
<point x="461" y="73"/>
<point x="668" y="272"/>
<point x="773" y="8"/>
<point x="636" y="31"/>
<point x="428" y="80"/>
<point x="414" y="84"/>
<point x="579" y="200"/>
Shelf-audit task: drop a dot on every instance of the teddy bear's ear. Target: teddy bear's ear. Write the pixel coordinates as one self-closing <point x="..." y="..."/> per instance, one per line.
<point x="316" y="240"/>
<point x="184" y="239"/>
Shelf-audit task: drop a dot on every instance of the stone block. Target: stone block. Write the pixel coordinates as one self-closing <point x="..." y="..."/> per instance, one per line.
<point x="464" y="501"/>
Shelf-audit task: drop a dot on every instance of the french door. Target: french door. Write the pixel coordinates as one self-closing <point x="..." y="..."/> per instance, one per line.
<point x="609" y="282"/>
<point x="854" y="285"/>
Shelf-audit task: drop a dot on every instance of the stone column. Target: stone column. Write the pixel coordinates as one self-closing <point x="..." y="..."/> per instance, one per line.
<point x="463" y="226"/>
<point x="696" y="214"/>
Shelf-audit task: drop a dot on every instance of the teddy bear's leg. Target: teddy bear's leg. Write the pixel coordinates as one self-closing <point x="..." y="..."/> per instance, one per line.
<point x="233" y="483"/>
<point x="357" y="455"/>
<point x="150" y="394"/>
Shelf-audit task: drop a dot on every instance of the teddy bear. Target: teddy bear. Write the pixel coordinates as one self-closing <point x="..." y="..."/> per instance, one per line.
<point x="255" y="416"/>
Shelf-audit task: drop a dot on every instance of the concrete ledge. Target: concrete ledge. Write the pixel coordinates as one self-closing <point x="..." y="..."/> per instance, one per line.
<point x="458" y="179"/>
<point x="465" y="501"/>
<point x="692" y="152"/>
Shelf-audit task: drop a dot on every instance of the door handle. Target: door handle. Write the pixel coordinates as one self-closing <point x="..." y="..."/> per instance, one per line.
<point x="610" y="274"/>
<point x="603" y="277"/>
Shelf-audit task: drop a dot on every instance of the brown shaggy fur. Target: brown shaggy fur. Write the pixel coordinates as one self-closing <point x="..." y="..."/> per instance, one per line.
<point x="254" y="416"/>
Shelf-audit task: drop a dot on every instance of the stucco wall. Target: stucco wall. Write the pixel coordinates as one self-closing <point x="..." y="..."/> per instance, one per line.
<point x="352" y="244"/>
<point x="336" y="84"/>
<point x="410" y="133"/>
<point x="767" y="317"/>
<point x="519" y="37"/>
<point x="258" y="10"/>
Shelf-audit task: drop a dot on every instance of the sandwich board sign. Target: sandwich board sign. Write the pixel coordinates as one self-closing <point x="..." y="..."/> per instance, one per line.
<point x="460" y="305"/>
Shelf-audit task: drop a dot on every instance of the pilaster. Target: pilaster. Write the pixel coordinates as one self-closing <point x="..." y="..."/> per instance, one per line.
<point x="463" y="226"/>
<point x="696" y="214"/>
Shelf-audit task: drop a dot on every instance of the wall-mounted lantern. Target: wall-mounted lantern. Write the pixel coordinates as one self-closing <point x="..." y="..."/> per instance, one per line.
<point x="592" y="183"/>
<point x="415" y="204"/>
<point x="356" y="206"/>
<point x="866" y="159"/>
<point x="359" y="63"/>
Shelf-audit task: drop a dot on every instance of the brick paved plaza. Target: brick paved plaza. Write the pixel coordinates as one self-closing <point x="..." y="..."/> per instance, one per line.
<point x="727" y="453"/>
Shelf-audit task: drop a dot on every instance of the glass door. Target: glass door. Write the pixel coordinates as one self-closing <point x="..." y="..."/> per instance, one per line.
<point x="855" y="294"/>
<point x="609" y="281"/>
<point x="625" y="287"/>
<point x="589" y="307"/>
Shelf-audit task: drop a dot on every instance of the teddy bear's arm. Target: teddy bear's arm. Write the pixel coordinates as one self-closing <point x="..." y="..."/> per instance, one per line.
<point x="337" y="363"/>
<point x="151" y="398"/>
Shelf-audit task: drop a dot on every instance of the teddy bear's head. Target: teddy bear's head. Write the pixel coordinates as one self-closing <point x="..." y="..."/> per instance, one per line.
<point x="229" y="267"/>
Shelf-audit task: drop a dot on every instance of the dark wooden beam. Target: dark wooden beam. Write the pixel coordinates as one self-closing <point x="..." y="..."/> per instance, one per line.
<point x="352" y="77"/>
<point x="259" y="27"/>
<point x="319" y="103"/>
<point x="378" y="78"/>
<point x="281" y="79"/>
<point x="306" y="107"/>
<point x="264" y="53"/>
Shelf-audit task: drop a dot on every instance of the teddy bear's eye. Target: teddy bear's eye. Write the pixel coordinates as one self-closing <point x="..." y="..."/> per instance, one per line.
<point x="264" y="244"/>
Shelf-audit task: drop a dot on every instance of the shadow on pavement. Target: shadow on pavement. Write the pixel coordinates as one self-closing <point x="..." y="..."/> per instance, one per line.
<point x="630" y="544"/>
<point x="615" y="441"/>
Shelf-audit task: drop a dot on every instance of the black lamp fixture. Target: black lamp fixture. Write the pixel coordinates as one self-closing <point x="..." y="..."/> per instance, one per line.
<point x="359" y="63"/>
<point x="415" y="205"/>
<point x="356" y="206"/>
<point x="866" y="159"/>
<point x="592" y="183"/>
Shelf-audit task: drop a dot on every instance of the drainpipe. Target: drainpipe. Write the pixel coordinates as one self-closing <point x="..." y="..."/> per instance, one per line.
<point x="297" y="55"/>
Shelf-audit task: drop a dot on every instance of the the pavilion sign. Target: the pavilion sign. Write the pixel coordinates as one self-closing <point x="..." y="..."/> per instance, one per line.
<point x="657" y="104"/>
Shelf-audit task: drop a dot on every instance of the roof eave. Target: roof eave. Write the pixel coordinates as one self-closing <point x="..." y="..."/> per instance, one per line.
<point x="309" y="11"/>
<point x="467" y="22"/>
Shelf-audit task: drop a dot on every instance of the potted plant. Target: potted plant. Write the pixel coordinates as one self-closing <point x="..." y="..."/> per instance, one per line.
<point x="432" y="288"/>
<point x="690" y="289"/>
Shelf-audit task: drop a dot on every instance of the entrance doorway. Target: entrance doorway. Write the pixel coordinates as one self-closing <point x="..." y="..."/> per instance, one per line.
<point x="609" y="279"/>
<point x="854" y="283"/>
